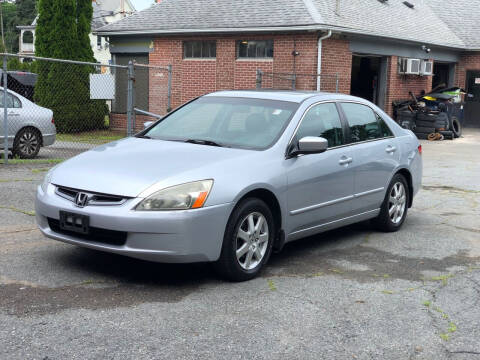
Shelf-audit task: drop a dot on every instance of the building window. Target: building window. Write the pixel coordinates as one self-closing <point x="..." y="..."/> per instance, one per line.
<point x="257" y="49"/>
<point x="199" y="49"/>
<point x="99" y="42"/>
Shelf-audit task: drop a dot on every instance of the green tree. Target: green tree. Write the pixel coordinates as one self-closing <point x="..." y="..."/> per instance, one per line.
<point x="62" y="32"/>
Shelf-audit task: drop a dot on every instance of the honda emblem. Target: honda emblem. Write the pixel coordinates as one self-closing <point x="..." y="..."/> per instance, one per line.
<point x="81" y="199"/>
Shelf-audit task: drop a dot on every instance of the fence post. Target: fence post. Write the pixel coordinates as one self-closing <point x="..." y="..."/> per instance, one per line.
<point x="336" y="83"/>
<point x="5" y="111"/>
<point x="169" y="90"/>
<point x="130" y="105"/>
<point x="259" y="79"/>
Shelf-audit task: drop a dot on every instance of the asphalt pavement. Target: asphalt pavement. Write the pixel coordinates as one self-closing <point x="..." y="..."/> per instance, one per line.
<point x="352" y="293"/>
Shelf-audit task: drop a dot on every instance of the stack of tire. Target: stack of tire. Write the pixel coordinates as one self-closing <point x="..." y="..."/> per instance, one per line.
<point x="427" y="123"/>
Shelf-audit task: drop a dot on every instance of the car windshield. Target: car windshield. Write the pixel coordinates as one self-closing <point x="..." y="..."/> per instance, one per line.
<point x="226" y="121"/>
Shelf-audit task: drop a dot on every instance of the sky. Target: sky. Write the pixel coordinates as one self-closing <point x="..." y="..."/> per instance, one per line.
<point x="141" y="4"/>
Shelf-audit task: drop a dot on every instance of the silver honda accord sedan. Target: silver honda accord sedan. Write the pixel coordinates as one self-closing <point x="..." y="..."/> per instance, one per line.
<point x="232" y="176"/>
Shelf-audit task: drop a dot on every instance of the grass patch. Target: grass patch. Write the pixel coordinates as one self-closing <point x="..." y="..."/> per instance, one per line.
<point x="34" y="161"/>
<point x="442" y="278"/>
<point x="25" y="212"/>
<point x="40" y="170"/>
<point x="271" y="285"/>
<point x="92" y="137"/>
<point x="452" y="327"/>
<point x="14" y="180"/>
<point x="444" y="337"/>
<point x="426" y="303"/>
<point x="388" y="292"/>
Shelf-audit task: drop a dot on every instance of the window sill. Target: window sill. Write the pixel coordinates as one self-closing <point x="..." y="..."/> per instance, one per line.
<point x="200" y="59"/>
<point x="255" y="59"/>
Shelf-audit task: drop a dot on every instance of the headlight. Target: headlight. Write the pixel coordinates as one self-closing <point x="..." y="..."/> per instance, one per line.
<point x="47" y="179"/>
<point x="180" y="197"/>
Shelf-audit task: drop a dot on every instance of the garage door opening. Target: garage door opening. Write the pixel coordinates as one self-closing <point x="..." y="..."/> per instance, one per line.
<point x="443" y="74"/>
<point x="369" y="78"/>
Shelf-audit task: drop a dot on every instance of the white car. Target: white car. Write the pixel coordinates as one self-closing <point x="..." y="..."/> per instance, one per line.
<point x="29" y="126"/>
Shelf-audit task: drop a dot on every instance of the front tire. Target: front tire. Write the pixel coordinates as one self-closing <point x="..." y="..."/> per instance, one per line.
<point x="395" y="205"/>
<point x="247" y="242"/>
<point x="27" y="143"/>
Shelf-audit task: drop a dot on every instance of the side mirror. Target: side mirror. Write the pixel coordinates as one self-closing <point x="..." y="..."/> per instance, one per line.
<point x="310" y="145"/>
<point x="147" y="124"/>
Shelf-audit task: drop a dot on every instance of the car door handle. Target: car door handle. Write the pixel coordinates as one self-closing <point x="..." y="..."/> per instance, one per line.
<point x="12" y="114"/>
<point x="390" y="149"/>
<point x="345" y="160"/>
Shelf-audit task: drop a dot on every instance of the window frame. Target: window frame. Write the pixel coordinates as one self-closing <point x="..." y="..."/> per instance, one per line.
<point x="346" y="134"/>
<point x="9" y="94"/>
<point x="377" y="117"/>
<point x="202" y="43"/>
<point x="239" y="42"/>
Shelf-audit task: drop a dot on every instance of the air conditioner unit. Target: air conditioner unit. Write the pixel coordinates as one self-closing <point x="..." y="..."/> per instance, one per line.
<point x="426" y="67"/>
<point x="409" y="66"/>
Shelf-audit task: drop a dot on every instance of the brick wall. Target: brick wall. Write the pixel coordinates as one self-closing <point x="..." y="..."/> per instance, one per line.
<point x="119" y="121"/>
<point x="192" y="78"/>
<point x="398" y="86"/>
<point x="468" y="61"/>
<point x="336" y="59"/>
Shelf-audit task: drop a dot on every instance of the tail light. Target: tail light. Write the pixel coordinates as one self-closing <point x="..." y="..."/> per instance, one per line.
<point x="420" y="149"/>
<point x="53" y="121"/>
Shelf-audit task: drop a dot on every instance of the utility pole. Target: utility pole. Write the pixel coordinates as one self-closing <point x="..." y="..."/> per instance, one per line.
<point x="1" y="20"/>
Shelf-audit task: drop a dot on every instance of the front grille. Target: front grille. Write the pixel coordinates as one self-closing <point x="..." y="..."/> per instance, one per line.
<point x="98" y="235"/>
<point x="93" y="198"/>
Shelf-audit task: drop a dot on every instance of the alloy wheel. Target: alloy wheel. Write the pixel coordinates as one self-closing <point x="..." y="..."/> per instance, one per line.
<point x="397" y="202"/>
<point x="252" y="240"/>
<point x="28" y="143"/>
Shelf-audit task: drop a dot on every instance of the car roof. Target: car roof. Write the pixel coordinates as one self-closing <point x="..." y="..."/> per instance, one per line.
<point x="283" y="95"/>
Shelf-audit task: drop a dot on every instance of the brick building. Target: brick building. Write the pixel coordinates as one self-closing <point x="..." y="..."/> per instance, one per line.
<point x="221" y="44"/>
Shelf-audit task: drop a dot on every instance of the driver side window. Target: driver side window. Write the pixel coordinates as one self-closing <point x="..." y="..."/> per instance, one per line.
<point x="322" y="120"/>
<point x="362" y="121"/>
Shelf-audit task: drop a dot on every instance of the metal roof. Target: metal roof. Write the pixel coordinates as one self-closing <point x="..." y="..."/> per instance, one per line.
<point x="435" y="22"/>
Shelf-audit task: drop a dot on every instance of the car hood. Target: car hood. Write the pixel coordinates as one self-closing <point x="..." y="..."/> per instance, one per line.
<point x="129" y="166"/>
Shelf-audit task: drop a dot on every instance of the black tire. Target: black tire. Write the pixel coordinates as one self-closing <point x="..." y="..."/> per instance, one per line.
<point x="27" y="143"/>
<point x="426" y="130"/>
<point x="447" y="134"/>
<point x="422" y="136"/>
<point x="456" y="127"/>
<point x="384" y="221"/>
<point x="428" y="124"/>
<point x="228" y="266"/>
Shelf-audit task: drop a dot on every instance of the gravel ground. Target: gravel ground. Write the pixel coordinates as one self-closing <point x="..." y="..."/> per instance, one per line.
<point x="352" y="293"/>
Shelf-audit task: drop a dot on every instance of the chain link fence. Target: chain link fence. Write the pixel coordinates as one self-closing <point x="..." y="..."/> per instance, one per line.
<point x="290" y="81"/>
<point x="60" y="108"/>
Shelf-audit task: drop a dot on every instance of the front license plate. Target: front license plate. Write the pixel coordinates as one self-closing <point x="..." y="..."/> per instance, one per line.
<point x="74" y="222"/>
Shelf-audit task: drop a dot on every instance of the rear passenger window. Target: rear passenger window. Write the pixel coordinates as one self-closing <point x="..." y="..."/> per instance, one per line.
<point x="362" y="121"/>
<point x="385" y="130"/>
<point x="322" y="120"/>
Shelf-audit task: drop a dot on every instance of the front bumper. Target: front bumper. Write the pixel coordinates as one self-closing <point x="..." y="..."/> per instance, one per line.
<point x="163" y="236"/>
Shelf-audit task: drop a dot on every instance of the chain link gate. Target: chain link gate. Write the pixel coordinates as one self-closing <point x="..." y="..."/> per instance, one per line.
<point x="61" y="108"/>
<point x="291" y="81"/>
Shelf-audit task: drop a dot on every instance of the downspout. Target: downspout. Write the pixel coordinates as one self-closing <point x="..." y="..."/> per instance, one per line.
<point x="319" y="59"/>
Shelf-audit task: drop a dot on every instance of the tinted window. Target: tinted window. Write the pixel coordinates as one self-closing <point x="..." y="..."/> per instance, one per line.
<point x="255" y="49"/>
<point x="362" y="121"/>
<point x="235" y="122"/>
<point x="322" y="120"/>
<point x="384" y="129"/>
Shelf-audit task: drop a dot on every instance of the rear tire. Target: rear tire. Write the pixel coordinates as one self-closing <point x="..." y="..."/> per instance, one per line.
<point x="27" y="143"/>
<point x="248" y="241"/>
<point x="395" y="205"/>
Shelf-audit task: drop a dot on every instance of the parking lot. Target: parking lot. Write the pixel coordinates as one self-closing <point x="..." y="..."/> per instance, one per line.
<point x="353" y="293"/>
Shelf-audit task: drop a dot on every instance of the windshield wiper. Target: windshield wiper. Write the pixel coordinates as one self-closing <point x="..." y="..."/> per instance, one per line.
<point x="143" y="136"/>
<point x="203" y="142"/>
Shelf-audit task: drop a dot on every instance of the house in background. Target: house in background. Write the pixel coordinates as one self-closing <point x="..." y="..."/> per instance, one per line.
<point x="220" y="44"/>
<point x="104" y="12"/>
